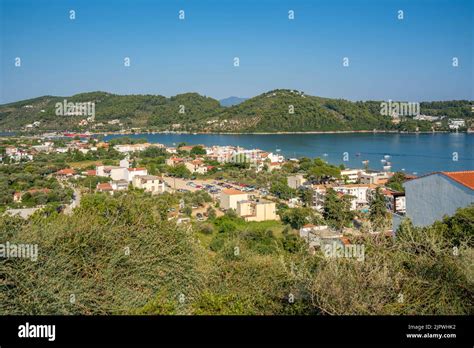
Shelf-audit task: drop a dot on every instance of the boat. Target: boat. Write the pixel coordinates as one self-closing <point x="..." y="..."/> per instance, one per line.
<point x="386" y="157"/>
<point x="383" y="161"/>
<point x="357" y="154"/>
<point x="387" y="168"/>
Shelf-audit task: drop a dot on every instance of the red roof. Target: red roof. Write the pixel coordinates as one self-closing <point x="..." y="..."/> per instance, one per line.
<point x="465" y="178"/>
<point x="232" y="192"/>
<point x="135" y="169"/>
<point x="91" y="172"/>
<point x="104" y="187"/>
<point x="345" y="241"/>
<point x="66" y="171"/>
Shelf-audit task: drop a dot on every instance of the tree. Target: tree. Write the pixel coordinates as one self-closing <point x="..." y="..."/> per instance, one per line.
<point x="306" y="196"/>
<point x="211" y="213"/>
<point x="198" y="150"/>
<point x="396" y="182"/>
<point x="378" y="211"/>
<point x="320" y="171"/>
<point x="179" y="171"/>
<point x="336" y="209"/>
<point x="298" y="217"/>
<point x="282" y="190"/>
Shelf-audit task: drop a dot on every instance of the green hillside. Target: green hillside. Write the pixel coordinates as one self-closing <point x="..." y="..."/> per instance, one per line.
<point x="275" y="111"/>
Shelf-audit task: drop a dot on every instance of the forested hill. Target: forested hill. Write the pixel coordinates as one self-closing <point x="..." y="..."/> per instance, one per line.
<point x="274" y="111"/>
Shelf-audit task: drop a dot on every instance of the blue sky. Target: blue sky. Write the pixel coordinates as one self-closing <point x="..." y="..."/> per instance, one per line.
<point x="409" y="59"/>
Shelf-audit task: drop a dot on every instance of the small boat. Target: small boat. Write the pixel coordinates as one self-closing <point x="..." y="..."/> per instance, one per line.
<point x="325" y="154"/>
<point x="357" y="154"/>
<point x="387" y="168"/>
<point x="386" y="157"/>
<point x="383" y="161"/>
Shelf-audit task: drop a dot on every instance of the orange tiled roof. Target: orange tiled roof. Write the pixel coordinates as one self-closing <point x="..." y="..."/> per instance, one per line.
<point x="66" y="171"/>
<point x="104" y="187"/>
<point x="232" y="192"/>
<point x="135" y="169"/>
<point x="465" y="178"/>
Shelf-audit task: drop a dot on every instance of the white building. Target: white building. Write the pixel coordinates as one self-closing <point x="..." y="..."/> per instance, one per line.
<point x="230" y="197"/>
<point x="361" y="193"/>
<point x="456" y="123"/>
<point x="377" y="178"/>
<point x="296" y="181"/>
<point x="351" y="176"/>
<point x="132" y="172"/>
<point x="196" y="166"/>
<point x="149" y="183"/>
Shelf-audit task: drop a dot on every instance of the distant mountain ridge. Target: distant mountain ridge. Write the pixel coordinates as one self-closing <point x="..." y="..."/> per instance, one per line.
<point x="279" y="110"/>
<point x="231" y="101"/>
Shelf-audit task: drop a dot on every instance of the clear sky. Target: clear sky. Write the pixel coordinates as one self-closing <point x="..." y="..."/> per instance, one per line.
<point x="409" y="59"/>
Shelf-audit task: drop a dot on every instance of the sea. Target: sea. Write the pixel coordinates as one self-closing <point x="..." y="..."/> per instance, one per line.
<point x="413" y="153"/>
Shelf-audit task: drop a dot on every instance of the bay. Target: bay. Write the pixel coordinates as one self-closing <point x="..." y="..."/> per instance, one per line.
<point x="413" y="153"/>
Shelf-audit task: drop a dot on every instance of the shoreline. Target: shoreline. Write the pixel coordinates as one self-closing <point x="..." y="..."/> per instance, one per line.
<point x="11" y="133"/>
<point x="272" y="133"/>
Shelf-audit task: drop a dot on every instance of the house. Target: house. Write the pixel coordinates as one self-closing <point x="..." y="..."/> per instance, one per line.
<point x="230" y="197"/>
<point x="150" y="183"/>
<point x="431" y="197"/>
<point x="372" y="177"/>
<point x="65" y="173"/>
<point x="295" y="181"/>
<point x="274" y="165"/>
<point x="362" y="193"/>
<point x="113" y="172"/>
<point x="395" y="201"/>
<point x="105" y="187"/>
<point x="319" y="194"/>
<point x="132" y="172"/>
<point x="90" y="172"/>
<point x="196" y="166"/>
<point x="260" y="210"/>
<point x="174" y="161"/>
<point x="317" y="236"/>
<point x="119" y="185"/>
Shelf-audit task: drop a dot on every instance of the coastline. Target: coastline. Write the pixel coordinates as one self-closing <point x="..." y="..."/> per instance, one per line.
<point x="272" y="133"/>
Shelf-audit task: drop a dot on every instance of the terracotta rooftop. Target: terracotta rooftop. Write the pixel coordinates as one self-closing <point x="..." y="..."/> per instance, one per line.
<point x="233" y="192"/>
<point x="465" y="178"/>
<point x="135" y="169"/>
<point x="104" y="186"/>
<point x="66" y="171"/>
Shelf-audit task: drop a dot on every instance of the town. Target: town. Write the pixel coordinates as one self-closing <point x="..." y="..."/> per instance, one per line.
<point x="322" y="203"/>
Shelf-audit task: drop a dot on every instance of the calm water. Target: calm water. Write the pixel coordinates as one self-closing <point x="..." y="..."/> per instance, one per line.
<point x="415" y="153"/>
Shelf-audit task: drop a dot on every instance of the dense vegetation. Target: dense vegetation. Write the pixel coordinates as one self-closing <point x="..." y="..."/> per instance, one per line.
<point x="121" y="255"/>
<point x="274" y="111"/>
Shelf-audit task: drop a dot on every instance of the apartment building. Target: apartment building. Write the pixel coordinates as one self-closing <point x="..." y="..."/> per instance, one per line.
<point x="295" y="181"/>
<point x="230" y="197"/>
<point x="149" y="183"/>
<point x="260" y="210"/>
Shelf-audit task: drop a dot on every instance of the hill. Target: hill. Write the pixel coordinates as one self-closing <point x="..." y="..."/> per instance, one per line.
<point x="275" y="111"/>
<point x="231" y="101"/>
